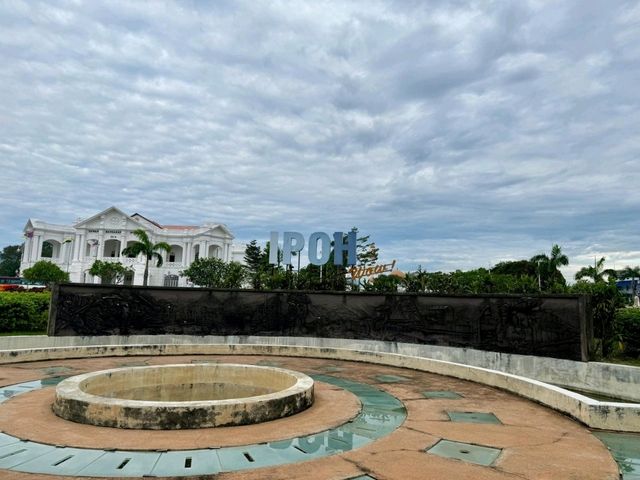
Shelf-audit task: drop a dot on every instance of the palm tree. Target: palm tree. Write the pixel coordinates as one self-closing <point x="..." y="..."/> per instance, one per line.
<point x="597" y="272"/>
<point x="548" y="271"/>
<point x="148" y="249"/>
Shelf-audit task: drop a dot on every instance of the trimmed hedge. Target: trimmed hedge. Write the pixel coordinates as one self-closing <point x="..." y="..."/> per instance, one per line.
<point x="627" y="325"/>
<point x="24" y="311"/>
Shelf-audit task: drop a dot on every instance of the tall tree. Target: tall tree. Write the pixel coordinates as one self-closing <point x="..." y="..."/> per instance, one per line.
<point x="597" y="272"/>
<point x="254" y="259"/>
<point x="548" y="271"/>
<point x="10" y="260"/>
<point x="149" y="250"/>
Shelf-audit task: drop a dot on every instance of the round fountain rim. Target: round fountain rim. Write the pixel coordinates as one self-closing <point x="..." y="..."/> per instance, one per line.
<point x="71" y="387"/>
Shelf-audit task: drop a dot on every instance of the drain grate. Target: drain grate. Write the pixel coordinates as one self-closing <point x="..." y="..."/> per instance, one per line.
<point x="120" y="463"/>
<point x="467" y="452"/>
<point x="390" y="378"/>
<point x="441" y="394"/>
<point x="187" y="462"/>
<point x="474" y="417"/>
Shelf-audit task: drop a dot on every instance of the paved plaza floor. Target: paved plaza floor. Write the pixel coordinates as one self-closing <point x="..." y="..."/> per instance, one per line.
<point x="368" y="422"/>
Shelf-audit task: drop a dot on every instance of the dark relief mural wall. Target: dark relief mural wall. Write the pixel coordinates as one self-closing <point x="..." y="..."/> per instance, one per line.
<point x="554" y="326"/>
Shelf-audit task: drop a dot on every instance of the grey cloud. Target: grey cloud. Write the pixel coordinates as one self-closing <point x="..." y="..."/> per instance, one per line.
<point x="455" y="133"/>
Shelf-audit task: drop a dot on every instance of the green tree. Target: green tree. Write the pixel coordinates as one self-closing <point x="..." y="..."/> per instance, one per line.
<point x="604" y="300"/>
<point x="109" y="272"/>
<point x="45" y="272"/>
<point x="366" y="251"/>
<point x="10" y="260"/>
<point x="416" y="282"/>
<point x="214" y="273"/>
<point x="149" y="250"/>
<point x="597" y="272"/>
<point x="549" y="274"/>
<point x="382" y="284"/>
<point x="516" y="267"/>
<point x="254" y="258"/>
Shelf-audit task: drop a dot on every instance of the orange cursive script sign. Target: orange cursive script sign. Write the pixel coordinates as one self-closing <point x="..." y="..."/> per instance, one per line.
<point x="359" y="272"/>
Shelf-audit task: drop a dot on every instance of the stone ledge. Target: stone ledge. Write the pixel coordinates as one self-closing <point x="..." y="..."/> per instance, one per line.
<point x="595" y="414"/>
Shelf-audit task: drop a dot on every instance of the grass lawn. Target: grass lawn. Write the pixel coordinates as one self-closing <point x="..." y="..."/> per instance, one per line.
<point x="11" y="334"/>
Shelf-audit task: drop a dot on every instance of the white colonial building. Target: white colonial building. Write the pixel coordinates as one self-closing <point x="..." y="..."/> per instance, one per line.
<point x="103" y="236"/>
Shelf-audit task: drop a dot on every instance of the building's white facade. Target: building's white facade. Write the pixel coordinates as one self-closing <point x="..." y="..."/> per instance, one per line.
<point x="104" y="236"/>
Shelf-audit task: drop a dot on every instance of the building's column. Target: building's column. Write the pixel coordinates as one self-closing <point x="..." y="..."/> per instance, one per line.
<point x="35" y="253"/>
<point x="226" y="250"/>
<point x="76" y="247"/>
<point x="186" y="254"/>
<point x="83" y="247"/>
<point x="27" y="250"/>
<point x="203" y="249"/>
<point x="100" y="245"/>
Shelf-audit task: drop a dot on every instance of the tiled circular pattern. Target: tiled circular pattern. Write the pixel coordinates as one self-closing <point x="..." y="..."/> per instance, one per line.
<point x="453" y="429"/>
<point x="380" y="415"/>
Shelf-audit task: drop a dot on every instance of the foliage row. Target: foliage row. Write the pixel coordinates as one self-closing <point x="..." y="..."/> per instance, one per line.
<point x="24" y="311"/>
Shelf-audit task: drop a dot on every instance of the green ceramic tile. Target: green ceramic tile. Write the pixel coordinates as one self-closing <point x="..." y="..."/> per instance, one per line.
<point x="466" y="452"/>
<point x="57" y="370"/>
<point x="474" y="417"/>
<point x="51" y="381"/>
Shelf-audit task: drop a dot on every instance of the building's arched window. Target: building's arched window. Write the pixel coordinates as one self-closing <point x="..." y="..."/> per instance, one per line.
<point x="175" y="255"/>
<point x="214" y="251"/>
<point x="91" y="248"/>
<point x="111" y="248"/>
<point x="50" y="249"/>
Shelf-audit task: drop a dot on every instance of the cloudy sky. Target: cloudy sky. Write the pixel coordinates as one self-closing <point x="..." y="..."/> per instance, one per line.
<point x="455" y="133"/>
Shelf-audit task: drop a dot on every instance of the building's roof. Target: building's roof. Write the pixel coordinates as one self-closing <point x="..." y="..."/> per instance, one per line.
<point x="180" y="227"/>
<point x="147" y="219"/>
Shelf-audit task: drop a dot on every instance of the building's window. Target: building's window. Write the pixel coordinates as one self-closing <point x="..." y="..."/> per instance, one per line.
<point x="113" y="253"/>
<point x="197" y="255"/>
<point x="171" y="280"/>
<point x="172" y="257"/>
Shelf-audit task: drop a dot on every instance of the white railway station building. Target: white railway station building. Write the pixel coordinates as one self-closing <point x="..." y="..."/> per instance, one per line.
<point x="103" y="236"/>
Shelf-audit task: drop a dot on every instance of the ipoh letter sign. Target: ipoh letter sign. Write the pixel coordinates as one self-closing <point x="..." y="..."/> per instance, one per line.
<point x="319" y="247"/>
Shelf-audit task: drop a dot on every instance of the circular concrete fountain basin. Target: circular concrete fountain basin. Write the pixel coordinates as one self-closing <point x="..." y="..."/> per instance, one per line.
<point x="170" y="397"/>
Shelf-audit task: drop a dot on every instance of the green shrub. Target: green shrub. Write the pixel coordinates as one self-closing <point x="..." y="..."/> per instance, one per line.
<point x="627" y="326"/>
<point x="605" y="300"/>
<point x="24" y="311"/>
